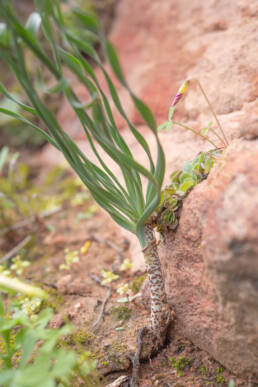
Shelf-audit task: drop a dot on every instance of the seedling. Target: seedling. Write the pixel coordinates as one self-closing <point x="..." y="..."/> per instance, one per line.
<point x="71" y="257"/>
<point x="18" y="265"/>
<point x="126" y="265"/>
<point x="180" y="364"/>
<point x="123" y="289"/>
<point x="219" y="377"/>
<point x="29" y="354"/>
<point x="108" y="277"/>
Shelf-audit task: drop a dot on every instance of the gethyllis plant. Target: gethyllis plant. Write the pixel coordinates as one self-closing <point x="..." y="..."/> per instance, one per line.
<point x="125" y="201"/>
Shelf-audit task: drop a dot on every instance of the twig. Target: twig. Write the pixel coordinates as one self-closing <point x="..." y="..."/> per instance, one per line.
<point x="136" y="360"/>
<point x="110" y="244"/>
<point x="32" y="219"/>
<point x="196" y="132"/>
<point x="118" y="382"/>
<point x="15" y="250"/>
<point x="101" y="313"/>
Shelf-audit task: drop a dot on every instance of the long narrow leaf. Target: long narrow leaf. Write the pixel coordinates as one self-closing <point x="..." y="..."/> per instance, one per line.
<point x="27" y="122"/>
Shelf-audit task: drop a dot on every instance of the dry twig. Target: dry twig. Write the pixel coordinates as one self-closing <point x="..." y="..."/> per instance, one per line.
<point x="32" y="219"/>
<point x="101" y="313"/>
<point x="15" y="250"/>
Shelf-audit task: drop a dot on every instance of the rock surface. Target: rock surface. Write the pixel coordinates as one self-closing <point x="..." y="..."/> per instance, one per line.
<point x="211" y="262"/>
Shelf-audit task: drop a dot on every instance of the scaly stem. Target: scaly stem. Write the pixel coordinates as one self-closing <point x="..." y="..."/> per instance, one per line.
<point x="160" y="312"/>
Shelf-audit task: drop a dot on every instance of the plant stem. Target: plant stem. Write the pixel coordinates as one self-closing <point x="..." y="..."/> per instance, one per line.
<point x="196" y="132"/>
<point x="160" y="312"/>
<point x="213" y="112"/>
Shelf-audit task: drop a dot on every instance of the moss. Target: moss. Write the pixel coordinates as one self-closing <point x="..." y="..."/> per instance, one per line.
<point x="54" y="301"/>
<point x="81" y="336"/>
<point x="121" y="313"/>
<point x="136" y="284"/>
<point x="79" y="339"/>
<point x="115" y="351"/>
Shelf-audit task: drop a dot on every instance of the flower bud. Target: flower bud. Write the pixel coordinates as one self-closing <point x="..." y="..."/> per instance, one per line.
<point x="181" y="91"/>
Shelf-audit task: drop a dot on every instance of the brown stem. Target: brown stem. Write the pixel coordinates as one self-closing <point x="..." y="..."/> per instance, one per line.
<point x="160" y="312"/>
<point x="214" y="114"/>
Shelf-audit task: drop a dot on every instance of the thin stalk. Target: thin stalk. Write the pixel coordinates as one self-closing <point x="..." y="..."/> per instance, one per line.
<point x="214" y="115"/>
<point x="196" y="132"/>
<point x="160" y="312"/>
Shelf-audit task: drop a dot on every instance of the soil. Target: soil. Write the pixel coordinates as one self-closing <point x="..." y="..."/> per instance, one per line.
<point x="76" y="297"/>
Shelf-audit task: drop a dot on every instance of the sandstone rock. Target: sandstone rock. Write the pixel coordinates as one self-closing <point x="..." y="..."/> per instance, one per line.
<point x="211" y="263"/>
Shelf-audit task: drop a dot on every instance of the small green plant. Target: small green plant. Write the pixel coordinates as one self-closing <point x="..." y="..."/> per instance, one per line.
<point x="126" y="265"/>
<point x="219" y="375"/>
<point x="180" y="364"/>
<point x="124" y="289"/>
<point x="19" y="198"/>
<point x="71" y="257"/>
<point x="29" y="354"/>
<point x="18" y="265"/>
<point x="108" y="277"/>
<point x="182" y="182"/>
<point x="17" y="353"/>
<point x="203" y="370"/>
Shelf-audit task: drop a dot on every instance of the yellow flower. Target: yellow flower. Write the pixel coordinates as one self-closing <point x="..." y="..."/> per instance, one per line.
<point x="183" y="88"/>
<point x="85" y="247"/>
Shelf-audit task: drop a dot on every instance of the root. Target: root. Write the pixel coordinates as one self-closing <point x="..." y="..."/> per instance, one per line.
<point x="136" y="359"/>
<point x="148" y="345"/>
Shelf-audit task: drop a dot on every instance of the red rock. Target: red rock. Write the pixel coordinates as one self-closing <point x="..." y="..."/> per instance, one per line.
<point x="212" y="274"/>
